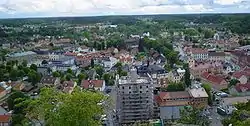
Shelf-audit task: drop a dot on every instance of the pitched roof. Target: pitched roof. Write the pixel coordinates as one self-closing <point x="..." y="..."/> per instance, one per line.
<point x="245" y="71"/>
<point x="87" y="83"/>
<point x="5" y="118"/>
<point x="215" y="79"/>
<point x="68" y="83"/>
<point x="198" y="51"/>
<point x="242" y="87"/>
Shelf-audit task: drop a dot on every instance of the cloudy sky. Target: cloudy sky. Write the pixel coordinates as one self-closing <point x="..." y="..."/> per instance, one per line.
<point x="42" y="8"/>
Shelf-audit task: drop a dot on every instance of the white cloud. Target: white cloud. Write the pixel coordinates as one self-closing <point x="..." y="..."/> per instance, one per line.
<point x="106" y="7"/>
<point x="227" y="2"/>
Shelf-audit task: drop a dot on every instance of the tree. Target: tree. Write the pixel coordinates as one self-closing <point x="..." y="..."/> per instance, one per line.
<point x="208" y="89"/>
<point x="192" y="116"/>
<point x="99" y="70"/>
<point x="70" y="71"/>
<point x="56" y="74"/>
<point x="68" y="76"/>
<point x="187" y="75"/>
<point x="75" y="109"/>
<point x="34" y="77"/>
<point x="25" y="63"/>
<point x="106" y="77"/>
<point x="34" y="67"/>
<point x="13" y="74"/>
<point x="233" y="82"/>
<point x="17" y="102"/>
<point x="172" y="87"/>
<point x="12" y="97"/>
<point x="208" y="34"/>
<point x="81" y="76"/>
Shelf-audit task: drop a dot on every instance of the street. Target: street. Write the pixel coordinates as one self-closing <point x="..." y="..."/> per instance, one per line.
<point x="234" y="100"/>
<point x="111" y="107"/>
<point x="215" y="117"/>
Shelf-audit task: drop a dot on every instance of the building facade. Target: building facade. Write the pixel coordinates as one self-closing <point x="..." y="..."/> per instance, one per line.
<point x="135" y="98"/>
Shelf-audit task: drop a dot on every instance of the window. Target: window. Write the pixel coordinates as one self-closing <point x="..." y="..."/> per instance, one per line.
<point x="140" y="87"/>
<point x="129" y="87"/>
<point x="122" y="87"/>
<point x="140" y="91"/>
<point x="147" y="86"/>
<point x="130" y="92"/>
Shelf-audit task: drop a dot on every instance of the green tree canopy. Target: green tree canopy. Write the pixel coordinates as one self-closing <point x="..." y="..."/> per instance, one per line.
<point x="75" y="109"/>
<point x="208" y="89"/>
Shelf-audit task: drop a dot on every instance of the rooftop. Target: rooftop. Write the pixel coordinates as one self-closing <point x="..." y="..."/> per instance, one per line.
<point x="178" y="94"/>
<point x="198" y="92"/>
<point x="19" y="54"/>
<point x="4" y="118"/>
<point x="139" y="80"/>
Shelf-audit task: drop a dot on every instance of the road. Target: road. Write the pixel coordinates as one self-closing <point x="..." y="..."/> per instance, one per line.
<point x="233" y="100"/>
<point x="216" y="118"/>
<point x="110" y="111"/>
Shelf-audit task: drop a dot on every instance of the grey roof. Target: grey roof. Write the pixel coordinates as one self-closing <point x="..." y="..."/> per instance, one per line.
<point x="2" y="111"/>
<point x="19" y="54"/>
<point x="154" y="68"/>
<point x="216" y="54"/>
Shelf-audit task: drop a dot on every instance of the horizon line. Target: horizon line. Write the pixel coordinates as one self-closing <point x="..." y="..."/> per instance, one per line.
<point x="114" y="15"/>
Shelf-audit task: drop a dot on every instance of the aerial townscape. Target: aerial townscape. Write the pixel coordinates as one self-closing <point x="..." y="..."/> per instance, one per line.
<point x="143" y="70"/>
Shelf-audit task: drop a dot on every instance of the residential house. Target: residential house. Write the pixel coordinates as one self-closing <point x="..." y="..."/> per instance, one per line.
<point x="17" y="85"/>
<point x="240" y="89"/>
<point x="50" y="81"/>
<point x="216" y="81"/>
<point x="200" y="67"/>
<point x="5" y="88"/>
<point x="98" y="85"/>
<point x="125" y="58"/>
<point x="68" y="86"/>
<point x="176" y="75"/>
<point x="5" y="120"/>
<point x="108" y="62"/>
<point x="240" y="58"/>
<point x="243" y="75"/>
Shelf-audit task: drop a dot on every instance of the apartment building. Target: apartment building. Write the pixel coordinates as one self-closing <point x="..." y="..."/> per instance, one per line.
<point x="135" y="98"/>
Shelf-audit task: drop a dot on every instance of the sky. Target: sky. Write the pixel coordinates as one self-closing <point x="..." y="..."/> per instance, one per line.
<point x="57" y="8"/>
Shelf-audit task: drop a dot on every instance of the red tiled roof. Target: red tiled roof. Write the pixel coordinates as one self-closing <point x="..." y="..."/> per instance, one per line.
<point x="242" y="87"/>
<point x="96" y="83"/>
<point x="215" y="79"/>
<point x="245" y="72"/>
<point x="198" y="51"/>
<point x="68" y="83"/>
<point x="5" y="118"/>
